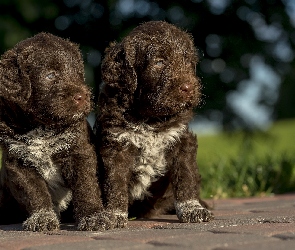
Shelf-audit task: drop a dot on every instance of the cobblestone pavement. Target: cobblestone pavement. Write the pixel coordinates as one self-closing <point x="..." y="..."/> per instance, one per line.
<point x="252" y="223"/>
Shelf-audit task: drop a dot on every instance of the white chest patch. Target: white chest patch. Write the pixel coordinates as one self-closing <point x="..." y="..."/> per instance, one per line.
<point x="36" y="149"/>
<point x="151" y="163"/>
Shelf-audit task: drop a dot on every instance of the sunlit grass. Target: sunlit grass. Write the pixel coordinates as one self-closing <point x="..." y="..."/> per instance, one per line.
<point x="248" y="164"/>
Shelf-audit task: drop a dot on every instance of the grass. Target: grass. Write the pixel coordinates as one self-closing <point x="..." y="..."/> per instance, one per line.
<point x="244" y="164"/>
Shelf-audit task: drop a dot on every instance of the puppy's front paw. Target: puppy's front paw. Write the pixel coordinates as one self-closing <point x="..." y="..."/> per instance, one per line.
<point x="42" y="220"/>
<point x="192" y="211"/>
<point x="121" y="219"/>
<point x="97" y="222"/>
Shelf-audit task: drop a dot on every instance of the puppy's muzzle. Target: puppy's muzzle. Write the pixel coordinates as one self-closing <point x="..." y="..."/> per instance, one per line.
<point x="80" y="99"/>
<point x="187" y="89"/>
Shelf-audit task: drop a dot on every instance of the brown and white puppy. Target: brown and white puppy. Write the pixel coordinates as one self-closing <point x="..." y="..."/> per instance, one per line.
<point x="48" y="159"/>
<point x="147" y="152"/>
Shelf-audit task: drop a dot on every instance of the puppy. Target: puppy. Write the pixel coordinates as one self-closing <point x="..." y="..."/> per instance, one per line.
<point x="147" y="152"/>
<point x="48" y="159"/>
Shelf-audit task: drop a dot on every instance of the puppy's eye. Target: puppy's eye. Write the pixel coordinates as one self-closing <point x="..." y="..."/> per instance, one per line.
<point x="51" y="76"/>
<point x="159" y="63"/>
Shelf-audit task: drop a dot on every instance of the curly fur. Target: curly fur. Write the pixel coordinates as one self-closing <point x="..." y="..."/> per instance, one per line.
<point x="147" y="153"/>
<point x="42" y="220"/>
<point x="191" y="211"/>
<point x="152" y="162"/>
<point x="48" y="158"/>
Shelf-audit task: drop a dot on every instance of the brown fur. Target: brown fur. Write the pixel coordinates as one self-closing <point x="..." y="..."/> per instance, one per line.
<point x="147" y="152"/>
<point x="48" y="158"/>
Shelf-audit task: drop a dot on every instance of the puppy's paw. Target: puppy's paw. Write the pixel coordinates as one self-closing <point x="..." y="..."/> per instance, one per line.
<point x="97" y="222"/>
<point x="42" y="220"/>
<point x="191" y="211"/>
<point x="121" y="219"/>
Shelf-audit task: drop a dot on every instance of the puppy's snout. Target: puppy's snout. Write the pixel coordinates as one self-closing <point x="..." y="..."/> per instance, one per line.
<point x="80" y="98"/>
<point x="187" y="89"/>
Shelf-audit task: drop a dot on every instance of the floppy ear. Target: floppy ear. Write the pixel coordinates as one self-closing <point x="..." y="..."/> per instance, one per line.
<point x="118" y="66"/>
<point x="15" y="84"/>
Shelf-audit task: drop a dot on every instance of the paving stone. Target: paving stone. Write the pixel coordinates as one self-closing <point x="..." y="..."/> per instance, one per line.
<point x="252" y="223"/>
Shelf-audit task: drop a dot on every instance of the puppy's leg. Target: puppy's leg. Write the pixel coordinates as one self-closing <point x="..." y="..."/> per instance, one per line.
<point x="186" y="182"/>
<point x="159" y="202"/>
<point x="117" y="161"/>
<point x="79" y="170"/>
<point x="31" y="192"/>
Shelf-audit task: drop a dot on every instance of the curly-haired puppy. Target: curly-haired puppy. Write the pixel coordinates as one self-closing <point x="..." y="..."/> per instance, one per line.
<point x="148" y="153"/>
<point x="48" y="159"/>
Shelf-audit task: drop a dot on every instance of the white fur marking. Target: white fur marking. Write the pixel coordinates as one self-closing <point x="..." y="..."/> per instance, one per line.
<point x="119" y="213"/>
<point x="152" y="163"/>
<point x="36" y="149"/>
<point x="192" y="211"/>
<point x="181" y="206"/>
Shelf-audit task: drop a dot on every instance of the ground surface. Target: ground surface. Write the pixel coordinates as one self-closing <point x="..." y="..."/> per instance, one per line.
<point x="252" y="223"/>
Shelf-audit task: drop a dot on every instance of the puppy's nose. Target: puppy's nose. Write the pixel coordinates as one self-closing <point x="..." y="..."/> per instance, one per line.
<point x="186" y="88"/>
<point x="80" y="98"/>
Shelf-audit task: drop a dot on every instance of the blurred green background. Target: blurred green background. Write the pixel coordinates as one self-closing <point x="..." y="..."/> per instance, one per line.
<point x="247" y="47"/>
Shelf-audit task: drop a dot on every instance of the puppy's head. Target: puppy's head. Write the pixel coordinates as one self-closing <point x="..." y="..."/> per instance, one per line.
<point x="44" y="75"/>
<point x="156" y="64"/>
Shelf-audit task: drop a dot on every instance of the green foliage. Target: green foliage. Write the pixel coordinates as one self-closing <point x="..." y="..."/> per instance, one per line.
<point x="242" y="164"/>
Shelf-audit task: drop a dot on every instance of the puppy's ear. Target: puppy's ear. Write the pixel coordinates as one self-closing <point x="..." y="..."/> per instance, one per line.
<point x="15" y="84"/>
<point x="118" y="66"/>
